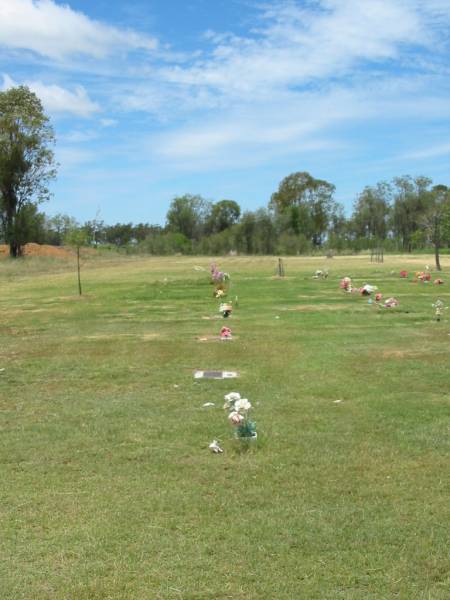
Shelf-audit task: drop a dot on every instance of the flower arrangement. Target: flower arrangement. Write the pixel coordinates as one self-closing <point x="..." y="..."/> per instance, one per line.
<point x="439" y="308"/>
<point x="391" y="303"/>
<point x="226" y="309"/>
<point x="225" y="333"/>
<point x="319" y="274"/>
<point x="422" y="276"/>
<point x="219" y="292"/>
<point x="367" y="290"/>
<point x="378" y="297"/>
<point x="346" y="284"/>
<point x="438" y="281"/>
<point x="404" y="274"/>
<point x="245" y="428"/>
<point x="218" y="276"/>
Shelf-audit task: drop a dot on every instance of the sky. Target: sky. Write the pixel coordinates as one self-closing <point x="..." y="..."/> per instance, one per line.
<point x="151" y="99"/>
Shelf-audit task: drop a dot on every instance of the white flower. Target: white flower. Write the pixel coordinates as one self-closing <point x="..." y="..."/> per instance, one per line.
<point x="215" y="447"/>
<point x="230" y="399"/>
<point x="242" y="404"/>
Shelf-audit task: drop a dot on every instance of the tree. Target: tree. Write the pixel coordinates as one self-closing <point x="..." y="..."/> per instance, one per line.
<point x="26" y="161"/>
<point x="436" y="219"/>
<point x="57" y="228"/>
<point x="77" y="237"/>
<point x="224" y="214"/>
<point x="188" y="215"/>
<point x="308" y="201"/>
<point x="411" y="201"/>
<point x="371" y="212"/>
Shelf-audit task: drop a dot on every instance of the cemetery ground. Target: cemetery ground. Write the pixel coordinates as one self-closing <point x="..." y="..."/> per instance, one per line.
<point x="108" y="489"/>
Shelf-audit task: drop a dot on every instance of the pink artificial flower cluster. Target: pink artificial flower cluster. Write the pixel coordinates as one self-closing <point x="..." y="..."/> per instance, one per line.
<point x="404" y="274"/>
<point x="225" y="333"/>
<point x="346" y="284"/>
<point x="216" y="275"/>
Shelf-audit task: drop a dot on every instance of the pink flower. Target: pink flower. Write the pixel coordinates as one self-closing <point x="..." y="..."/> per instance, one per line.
<point x="235" y="418"/>
<point x="403" y="273"/>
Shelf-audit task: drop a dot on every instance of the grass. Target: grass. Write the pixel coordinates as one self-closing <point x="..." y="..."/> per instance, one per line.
<point x="109" y="491"/>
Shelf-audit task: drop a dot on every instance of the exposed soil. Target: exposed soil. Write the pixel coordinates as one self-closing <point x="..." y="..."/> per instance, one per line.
<point x="40" y="250"/>
<point x="32" y="249"/>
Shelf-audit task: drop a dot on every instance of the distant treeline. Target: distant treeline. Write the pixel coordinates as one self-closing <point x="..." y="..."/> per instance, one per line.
<point x="302" y="217"/>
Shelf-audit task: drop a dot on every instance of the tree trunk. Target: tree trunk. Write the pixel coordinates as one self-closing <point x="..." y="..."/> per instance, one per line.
<point x="78" y="268"/>
<point x="436" y="256"/>
<point x="14" y="249"/>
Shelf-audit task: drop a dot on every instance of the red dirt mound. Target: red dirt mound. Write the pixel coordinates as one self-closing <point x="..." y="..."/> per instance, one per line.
<point x="40" y="250"/>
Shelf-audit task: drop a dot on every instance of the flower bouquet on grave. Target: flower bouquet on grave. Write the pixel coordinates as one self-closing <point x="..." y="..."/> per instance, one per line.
<point x="218" y="276"/>
<point x="367" y="290"/>
<point x="245" y="428"/>
<point x="439" y="308"/>
<point x="225" y="333"/>
<point x="438" y="281"/>
<point x="220" y="280"/>
<point x="319" y="274"/>
<point x="346" y="284"/>
<point x="226" y="308"/>
<point x="403" y="274"/>
<point x="391" y="303"/>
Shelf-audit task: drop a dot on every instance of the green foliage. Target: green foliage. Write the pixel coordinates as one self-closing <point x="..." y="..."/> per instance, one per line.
<point x="77" y="237"/>
<point x="26" y="162"/>
<point x="188" y="215"/>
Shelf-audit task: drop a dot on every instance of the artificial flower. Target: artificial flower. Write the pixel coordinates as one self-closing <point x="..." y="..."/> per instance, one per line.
<point x="215" y="447"/>
<point x="242" y="404"/>
<point x="235" y="418"/>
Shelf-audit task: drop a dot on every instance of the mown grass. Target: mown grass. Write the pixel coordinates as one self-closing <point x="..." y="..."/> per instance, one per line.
<point x="109" y="490"/>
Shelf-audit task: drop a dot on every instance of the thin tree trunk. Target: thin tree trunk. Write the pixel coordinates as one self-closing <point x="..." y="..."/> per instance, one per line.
<point x="436" y="256"/>
<point x="78" y="268"/>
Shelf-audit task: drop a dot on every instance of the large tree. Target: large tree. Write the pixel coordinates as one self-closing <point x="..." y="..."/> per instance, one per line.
<point x="436" y="219"/>
<point x="188" y="215"/>
<point x="26" y="161"/>
<point x="223" y="215"/>
<point x="371" y="212"/>
<point x="308" y="202"/>
<point x="411" y="201"/>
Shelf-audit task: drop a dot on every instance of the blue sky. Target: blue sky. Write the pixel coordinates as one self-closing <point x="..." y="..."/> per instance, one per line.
<point x="150" y="98"/>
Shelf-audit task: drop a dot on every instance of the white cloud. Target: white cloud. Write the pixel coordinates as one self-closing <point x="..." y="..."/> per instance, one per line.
<point x="58" y="32"/>
<point x="308" y="68"/>
<point x="424" y="153"/>
<point x="108" y="122"/>
<point x="296" y="46"/>
<point x="57" y="99"/>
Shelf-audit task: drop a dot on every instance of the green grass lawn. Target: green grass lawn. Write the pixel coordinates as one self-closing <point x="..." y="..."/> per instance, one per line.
<point x="108" y="490"/>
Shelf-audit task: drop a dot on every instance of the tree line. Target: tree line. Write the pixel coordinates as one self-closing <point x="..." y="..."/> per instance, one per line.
<point x="301" y="216"/>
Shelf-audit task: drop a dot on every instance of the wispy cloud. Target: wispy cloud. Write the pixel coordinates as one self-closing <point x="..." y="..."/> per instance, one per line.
<point x="435" y="151"/>
<point x="57" y="31"/>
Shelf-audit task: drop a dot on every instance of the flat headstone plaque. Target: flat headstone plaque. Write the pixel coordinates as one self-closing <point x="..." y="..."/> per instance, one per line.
<point x="215" y="374"/>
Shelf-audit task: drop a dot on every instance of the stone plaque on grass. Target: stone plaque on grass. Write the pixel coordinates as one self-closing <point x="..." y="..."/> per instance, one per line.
<point x="215" y="374"/>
